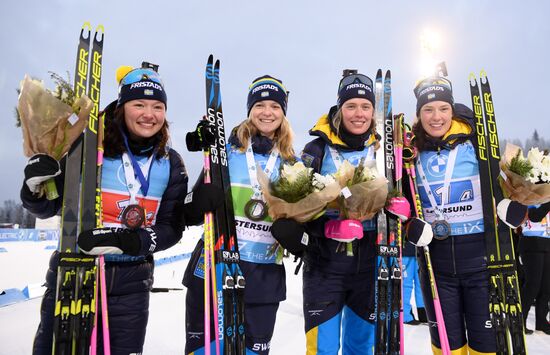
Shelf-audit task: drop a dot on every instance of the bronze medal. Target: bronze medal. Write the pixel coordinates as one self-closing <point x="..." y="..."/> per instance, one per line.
<point x="133" y="216"/>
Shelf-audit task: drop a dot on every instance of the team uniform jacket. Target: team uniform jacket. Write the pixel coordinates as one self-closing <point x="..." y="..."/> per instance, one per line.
<point x="129" y="279"/>
<point x="459" y="261"/>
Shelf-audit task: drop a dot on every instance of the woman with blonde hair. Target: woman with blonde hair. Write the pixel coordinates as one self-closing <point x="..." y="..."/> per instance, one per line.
<point x="263" y="140"/>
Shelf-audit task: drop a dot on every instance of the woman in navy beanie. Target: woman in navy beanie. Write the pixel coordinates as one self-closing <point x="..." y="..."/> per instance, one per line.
<point x="338" y="277"/>
<point x="447" y="161"/>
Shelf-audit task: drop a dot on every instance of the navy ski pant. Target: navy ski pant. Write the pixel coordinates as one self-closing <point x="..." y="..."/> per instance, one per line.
<point x="536" y="285"/>
<point x="265" y="288"/>
<point x="465" y="304"/>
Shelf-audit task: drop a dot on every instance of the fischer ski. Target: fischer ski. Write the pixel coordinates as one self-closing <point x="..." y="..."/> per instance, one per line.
<point x="504" y="299"/>
<point x="75" y="308"/>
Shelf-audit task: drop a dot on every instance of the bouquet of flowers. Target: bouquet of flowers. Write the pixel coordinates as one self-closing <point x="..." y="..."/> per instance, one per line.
<point x="364" y="192"/>
<point x="525" y="180"/>
<point x="298" y="193"/>
<point x="51" y="121"/>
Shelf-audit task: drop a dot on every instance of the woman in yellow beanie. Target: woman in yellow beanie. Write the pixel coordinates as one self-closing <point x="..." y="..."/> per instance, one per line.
<point x="143" y="186"/>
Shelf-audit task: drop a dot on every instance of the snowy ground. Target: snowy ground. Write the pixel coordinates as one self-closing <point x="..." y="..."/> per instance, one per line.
<point x="165" y="333"/>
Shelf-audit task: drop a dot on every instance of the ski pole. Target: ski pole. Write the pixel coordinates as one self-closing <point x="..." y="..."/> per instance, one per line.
<point x="440" y="321"/>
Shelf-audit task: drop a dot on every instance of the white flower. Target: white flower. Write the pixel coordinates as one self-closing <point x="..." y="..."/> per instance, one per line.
<point x="535" y="157"/>
<point x="534" y="176"/>
<point x="346" y="169"/>
<point x="319" y="181"/>
<point x="541" y="166"/>
<point x="370" y="173"/>
<point x="292" y="172"/>
<point x="545" y="169"/>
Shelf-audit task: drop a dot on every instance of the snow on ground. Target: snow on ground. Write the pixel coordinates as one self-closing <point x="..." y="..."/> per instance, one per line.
<point x="26" y="262"/>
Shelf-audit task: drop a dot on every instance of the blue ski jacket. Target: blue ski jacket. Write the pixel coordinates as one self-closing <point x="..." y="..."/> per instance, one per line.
<point x="128" y="280"/>
<point x="464" y="250"/>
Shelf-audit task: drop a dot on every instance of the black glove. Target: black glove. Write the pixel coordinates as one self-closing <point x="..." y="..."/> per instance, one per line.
<point x="291" y="235"/>
<point x="204" y="198"/>
<point x="202" y="137"/>
<point x="419" y="232"/>
<point x="100" y="241"/>
<point x="538" y="213"/>
<point x="40" y="167"/>
<point x="512" y="213"/>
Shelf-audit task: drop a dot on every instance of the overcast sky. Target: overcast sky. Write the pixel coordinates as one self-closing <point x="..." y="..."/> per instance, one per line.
<point x="304" y="43"/>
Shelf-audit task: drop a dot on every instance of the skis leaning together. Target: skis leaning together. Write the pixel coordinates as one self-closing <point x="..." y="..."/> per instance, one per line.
<point x="75" y="319"/>
<point x="504" y="299"/>
<point x="228" y="289"/>
<point x="388" y="308"/>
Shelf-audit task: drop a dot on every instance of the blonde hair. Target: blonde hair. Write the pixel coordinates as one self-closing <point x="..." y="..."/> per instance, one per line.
<point x="282" y="140"/>
<point x="337" y="123"/>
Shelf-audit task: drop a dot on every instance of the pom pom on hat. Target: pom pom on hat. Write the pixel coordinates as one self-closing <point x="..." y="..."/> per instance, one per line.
<point x="139" y="83"/>
<point x="122" y="71"/>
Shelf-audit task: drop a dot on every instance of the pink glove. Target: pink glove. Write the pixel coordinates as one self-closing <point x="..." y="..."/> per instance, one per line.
<point x="346" y="230"/>
<point x="400" y="207"/>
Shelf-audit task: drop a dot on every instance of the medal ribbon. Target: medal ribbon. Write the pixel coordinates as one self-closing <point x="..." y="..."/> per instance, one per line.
<point x="130" y="174"/>
<point x="135" y="171"/>
<point x="449" y="168"/>
<point x="338" y="159"/>
<point x="251" y="165"/>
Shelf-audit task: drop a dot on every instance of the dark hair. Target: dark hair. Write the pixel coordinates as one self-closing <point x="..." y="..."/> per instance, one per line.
<point x="114" y="142"/>
<point x="419" y="136"/>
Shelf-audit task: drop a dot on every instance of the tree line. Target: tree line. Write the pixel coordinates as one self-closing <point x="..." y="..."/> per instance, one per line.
<point x="12" y="213"/>
<point x="535" y="141"/>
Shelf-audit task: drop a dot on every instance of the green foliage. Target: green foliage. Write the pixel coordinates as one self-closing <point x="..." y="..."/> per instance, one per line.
<point x="63" y="89"/>
<point x="296" y="190"/>
<point x="520" y="166"/>
<point x="361" y="174"/>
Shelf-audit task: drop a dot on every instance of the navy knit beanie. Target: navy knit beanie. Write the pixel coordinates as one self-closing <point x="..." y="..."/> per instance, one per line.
<point x="267" y="88"/>
<point x="140" y="83"/>
<point x="353" y="86"/>
<point x="433" y="89"/>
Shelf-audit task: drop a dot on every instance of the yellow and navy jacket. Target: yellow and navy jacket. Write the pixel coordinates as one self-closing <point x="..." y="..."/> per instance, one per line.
<point x="322" y="251"/>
